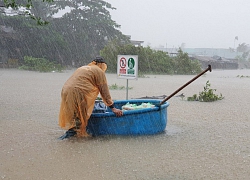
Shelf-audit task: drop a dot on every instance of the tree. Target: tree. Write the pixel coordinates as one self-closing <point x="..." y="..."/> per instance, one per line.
<point x="75" y="38"/>
<point x="87" y="28"/>
<point x="184" y="65"/>
<point x="244" y="48"/>
<point x="28" y="39"/>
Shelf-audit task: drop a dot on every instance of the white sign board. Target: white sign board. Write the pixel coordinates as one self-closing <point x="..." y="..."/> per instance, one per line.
<point x="127" y="66"/>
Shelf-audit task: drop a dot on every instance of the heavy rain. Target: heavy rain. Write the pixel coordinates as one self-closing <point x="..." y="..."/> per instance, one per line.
<point x="202" y="140"/>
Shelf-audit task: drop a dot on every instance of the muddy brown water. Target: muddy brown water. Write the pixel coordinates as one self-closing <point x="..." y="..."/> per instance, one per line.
<point x="201" y="141"/>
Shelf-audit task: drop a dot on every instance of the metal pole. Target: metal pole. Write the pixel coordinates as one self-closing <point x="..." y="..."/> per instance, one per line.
<point x="127" y="91"/>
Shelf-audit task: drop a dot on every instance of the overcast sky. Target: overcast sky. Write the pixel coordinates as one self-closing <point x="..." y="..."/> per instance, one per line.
<point x="197" y="23"/>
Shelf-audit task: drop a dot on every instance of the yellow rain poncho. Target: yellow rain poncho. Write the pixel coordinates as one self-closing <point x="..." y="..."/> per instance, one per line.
<point x="79" y="94"/>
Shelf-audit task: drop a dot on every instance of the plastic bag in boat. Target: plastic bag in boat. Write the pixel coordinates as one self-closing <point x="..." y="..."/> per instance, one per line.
<point x="99" y="107"/>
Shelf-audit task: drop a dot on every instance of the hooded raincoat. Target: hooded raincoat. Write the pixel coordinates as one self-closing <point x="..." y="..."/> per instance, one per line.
<point x="79" y="94"/>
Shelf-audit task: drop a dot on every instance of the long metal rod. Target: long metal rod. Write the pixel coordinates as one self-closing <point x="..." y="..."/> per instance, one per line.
<point x="167" y="98"/>
<point x="127" y="91"/>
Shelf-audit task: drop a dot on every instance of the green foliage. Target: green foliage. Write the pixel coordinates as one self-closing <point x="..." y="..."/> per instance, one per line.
<point x="184" y="65"/>
<point x="245" y="52"/>
<point x="38" y="20"/>
<point x="27" y="5"/>
<point x="40" y="64"/>
<point x="193" y="98"/>
<point x="242" y="76"/>
<point x="150" y="61"/>
<point x="87" y="29"/>
<point x="116" y="87"/>
<point x="73" y="39"/>
<point x="98" y="98"/>
<point x="207" y="95"/>
<point x="27" y="39"/>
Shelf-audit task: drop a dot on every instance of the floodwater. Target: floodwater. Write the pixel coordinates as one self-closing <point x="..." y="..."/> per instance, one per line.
<point x="201" y="141"/>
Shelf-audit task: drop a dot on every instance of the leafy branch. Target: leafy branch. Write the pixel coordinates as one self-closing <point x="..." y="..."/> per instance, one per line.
<point x="16" y="6"/>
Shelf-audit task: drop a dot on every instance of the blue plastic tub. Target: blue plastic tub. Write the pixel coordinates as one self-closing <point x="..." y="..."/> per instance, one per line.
<point x="145" y="121"/>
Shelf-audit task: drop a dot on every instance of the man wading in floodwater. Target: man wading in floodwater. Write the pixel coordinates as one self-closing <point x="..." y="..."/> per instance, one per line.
<point x="78" y="97"/>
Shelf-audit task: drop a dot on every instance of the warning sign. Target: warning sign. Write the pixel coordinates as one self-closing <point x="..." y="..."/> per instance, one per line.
<point x="127" y="66"/>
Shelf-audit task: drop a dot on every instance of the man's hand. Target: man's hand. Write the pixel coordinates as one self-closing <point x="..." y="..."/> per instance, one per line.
<point x="117" y="112"/>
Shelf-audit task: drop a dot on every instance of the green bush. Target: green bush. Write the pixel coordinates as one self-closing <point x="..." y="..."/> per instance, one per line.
<point x="40" y="64"/>
<point x="207" y="95"/>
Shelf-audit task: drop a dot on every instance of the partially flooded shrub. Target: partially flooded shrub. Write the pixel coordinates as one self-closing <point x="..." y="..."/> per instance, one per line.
<point x="207" y="95"/>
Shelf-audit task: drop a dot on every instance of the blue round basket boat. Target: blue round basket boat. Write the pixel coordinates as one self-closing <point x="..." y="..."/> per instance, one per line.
<point x="146" y="121"/>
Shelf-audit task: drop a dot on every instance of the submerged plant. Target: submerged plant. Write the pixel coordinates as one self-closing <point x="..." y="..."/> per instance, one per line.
<point x="207" y="95"/>
<point x="116" y="87"/>
<point x="243" y="76"/>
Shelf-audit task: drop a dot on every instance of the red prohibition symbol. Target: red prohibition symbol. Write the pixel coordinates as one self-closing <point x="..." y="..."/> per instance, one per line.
<point x="123" y="62"/>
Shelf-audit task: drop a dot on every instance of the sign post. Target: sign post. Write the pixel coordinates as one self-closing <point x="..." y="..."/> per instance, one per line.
<point x="127" y="68"/>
